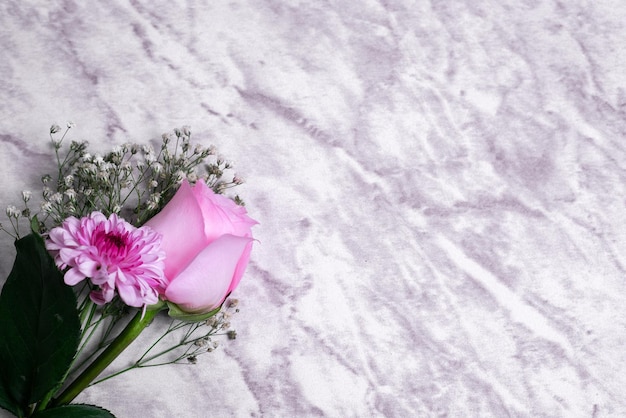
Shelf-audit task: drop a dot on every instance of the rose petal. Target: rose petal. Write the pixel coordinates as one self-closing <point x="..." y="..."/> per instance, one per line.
<point x="204" y="283"/>
<point x="221" y="215"/>
<point x="180" y="223"/>
<point x="241" y="267"/>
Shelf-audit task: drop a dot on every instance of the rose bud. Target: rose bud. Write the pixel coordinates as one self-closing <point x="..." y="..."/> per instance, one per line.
<point x="207" y="239"/>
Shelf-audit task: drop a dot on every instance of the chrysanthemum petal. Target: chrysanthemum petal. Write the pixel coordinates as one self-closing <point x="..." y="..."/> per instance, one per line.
<point x="73" y="277"/>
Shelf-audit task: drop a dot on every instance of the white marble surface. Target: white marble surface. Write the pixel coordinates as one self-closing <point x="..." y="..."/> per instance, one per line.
<point x="439" y="184"/>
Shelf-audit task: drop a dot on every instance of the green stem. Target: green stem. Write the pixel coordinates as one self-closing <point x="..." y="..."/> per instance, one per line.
<point x="127" y="336"/>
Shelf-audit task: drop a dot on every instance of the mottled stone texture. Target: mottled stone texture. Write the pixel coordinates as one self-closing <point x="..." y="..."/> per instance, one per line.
<point x="439" y="184"/>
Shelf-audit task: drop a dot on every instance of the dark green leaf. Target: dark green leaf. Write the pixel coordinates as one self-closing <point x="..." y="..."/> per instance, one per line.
<point x="75" y="411"/>
<point x="34" y="225"/>
<point x="39" y="325"/>
<point x="7" y="403"/>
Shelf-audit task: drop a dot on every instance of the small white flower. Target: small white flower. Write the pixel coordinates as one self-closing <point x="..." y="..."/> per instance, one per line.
<point x="98" y="159"/>
<point x="150" y="158"/>
<point x="187" y="130"/>
<point x="46" y="207"/>
<point x="56" y="198"/>
<point x="69" y="180"/>
<point x="26" y="195"/>
<point x="70" y="124"/>
<point x="89" y="168"/>
<point x="70" y="193"/>
<point x="103" y="175"/>
<point x="192" y="177"/>
<point x="155" y="197"/>
<point x="157" y="167"/>
<point x="12" y="212"/>
<point x="201" y="342"/>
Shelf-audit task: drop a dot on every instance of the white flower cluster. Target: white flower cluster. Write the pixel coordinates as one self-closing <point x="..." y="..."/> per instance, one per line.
<point x="130" y="175"/>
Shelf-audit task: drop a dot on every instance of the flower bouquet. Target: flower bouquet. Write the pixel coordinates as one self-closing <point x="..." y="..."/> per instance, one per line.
<point x="119" y="239"/>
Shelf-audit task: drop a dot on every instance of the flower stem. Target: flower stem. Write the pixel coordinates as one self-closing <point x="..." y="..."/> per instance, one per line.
<point x="123" y="340"/>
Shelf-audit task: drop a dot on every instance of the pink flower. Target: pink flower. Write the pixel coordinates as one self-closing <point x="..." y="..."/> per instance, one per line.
<point x="113" y="254"/>
<point x="207" y="239"/>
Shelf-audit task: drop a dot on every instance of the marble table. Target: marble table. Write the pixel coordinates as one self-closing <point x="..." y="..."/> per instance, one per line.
<point x="439" y="184"/>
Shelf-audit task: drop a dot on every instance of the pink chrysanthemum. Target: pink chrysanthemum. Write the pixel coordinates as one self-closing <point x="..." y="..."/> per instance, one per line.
<point x="113" y="254"/>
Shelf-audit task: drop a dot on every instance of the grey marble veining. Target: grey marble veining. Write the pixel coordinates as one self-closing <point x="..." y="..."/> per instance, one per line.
<point x="440" y="188"/>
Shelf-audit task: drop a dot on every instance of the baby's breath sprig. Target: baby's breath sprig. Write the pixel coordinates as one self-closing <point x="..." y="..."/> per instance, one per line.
<point x="131" y="180"/>
<point x="197" y="339"/>
<point x="176" y="160"/>
<point x="15" y="215"/>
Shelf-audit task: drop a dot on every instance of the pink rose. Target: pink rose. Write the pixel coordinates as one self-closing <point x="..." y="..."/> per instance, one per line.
<point x="207" y="239"/>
